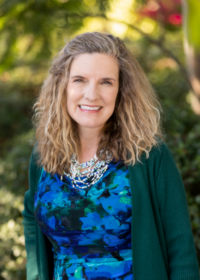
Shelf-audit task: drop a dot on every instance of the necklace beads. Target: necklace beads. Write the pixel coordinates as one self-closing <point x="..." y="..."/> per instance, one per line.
<point x="86" y="178"/>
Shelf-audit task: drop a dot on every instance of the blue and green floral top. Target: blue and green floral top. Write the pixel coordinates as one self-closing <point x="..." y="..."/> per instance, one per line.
<point x="90" y="229"/>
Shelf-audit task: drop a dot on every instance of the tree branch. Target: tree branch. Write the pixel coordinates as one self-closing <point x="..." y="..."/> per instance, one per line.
<point x="164" y="50"/>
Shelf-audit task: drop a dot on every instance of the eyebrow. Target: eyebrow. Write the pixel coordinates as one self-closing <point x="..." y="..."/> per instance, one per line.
<point x="105" y="78"/>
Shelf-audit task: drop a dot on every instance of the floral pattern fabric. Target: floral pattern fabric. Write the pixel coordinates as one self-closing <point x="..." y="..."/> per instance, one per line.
<point x="90" y="229"/>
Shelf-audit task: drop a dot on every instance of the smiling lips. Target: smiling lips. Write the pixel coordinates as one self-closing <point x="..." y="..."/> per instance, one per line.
<point x="90" y="108"/>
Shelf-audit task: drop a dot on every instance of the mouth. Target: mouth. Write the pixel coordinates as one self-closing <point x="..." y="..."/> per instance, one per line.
<point x="90" y="108"/>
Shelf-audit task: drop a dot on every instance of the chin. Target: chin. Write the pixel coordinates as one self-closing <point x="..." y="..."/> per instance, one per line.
<point x="89" y="125"/>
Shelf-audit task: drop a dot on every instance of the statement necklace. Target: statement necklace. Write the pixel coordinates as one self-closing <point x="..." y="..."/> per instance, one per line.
<point x="86" y="178"/>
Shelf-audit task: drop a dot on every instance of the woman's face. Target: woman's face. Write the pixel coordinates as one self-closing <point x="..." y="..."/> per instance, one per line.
<point x="92" y="89"/>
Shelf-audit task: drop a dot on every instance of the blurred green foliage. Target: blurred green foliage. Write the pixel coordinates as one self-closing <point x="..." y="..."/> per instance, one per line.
<point x="31" y="33"/>
<point x="192" y="14"/>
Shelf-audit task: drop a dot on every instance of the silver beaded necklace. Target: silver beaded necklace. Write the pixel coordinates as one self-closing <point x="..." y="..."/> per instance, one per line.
<point x="94" y="171"/>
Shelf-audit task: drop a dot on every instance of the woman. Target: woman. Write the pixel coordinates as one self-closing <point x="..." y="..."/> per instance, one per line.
<point x="106" y="200"/>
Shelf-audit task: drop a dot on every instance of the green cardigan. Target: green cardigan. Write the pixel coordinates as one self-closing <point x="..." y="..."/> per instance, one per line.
<point x="162" y="241"/>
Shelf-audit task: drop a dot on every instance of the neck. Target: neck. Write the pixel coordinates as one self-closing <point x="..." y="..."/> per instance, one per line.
<point x="89" y="140"/>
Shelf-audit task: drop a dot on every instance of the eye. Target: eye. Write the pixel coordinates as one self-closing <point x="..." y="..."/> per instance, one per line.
<point x="107" y="83"/>
<point x="78" y="80"/>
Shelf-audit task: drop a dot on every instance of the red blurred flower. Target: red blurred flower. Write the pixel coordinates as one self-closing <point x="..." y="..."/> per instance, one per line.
<point x="163" y="11"/>
<point x="175" y="19"/>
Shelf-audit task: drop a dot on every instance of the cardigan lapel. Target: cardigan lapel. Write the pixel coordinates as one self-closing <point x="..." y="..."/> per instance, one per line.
<point x="148" y="260"/>
<point x="44" y="256"/>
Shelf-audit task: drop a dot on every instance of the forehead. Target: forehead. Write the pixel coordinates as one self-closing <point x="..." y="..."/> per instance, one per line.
<point x="96" y="63"/>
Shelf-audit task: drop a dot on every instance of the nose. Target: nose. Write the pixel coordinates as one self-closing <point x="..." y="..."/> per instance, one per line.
<point x="91" y="91"/>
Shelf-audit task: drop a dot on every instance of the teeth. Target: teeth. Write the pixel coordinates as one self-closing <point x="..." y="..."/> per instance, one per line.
<point x="89" y="108"/>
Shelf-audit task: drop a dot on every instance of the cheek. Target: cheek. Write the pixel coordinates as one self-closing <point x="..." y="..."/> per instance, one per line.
<point x="111" y="99"/>
<point x="70" y="102"/>
<point x="71" y="97"/>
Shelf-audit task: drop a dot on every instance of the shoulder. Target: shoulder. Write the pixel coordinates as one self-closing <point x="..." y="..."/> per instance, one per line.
<point x="35" y="153"/>
<point x="157" y="154"/>
<point x="35" y="167"/>
<point x="159" y="159"/>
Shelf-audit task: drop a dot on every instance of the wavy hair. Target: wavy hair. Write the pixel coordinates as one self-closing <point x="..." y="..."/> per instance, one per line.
<point x="137" y="108"/>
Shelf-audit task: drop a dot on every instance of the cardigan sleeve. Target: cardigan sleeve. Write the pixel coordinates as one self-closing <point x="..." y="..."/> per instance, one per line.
<point x="29" y="222"/>
<point x="182" y="256"/>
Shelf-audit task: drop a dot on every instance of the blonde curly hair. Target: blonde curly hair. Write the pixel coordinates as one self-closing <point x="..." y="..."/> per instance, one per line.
<point x="137" y="108"/>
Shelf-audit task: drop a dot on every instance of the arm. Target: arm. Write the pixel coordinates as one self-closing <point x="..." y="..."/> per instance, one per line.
<point x="183" y="264"/>
<point x="29" y="222"/>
